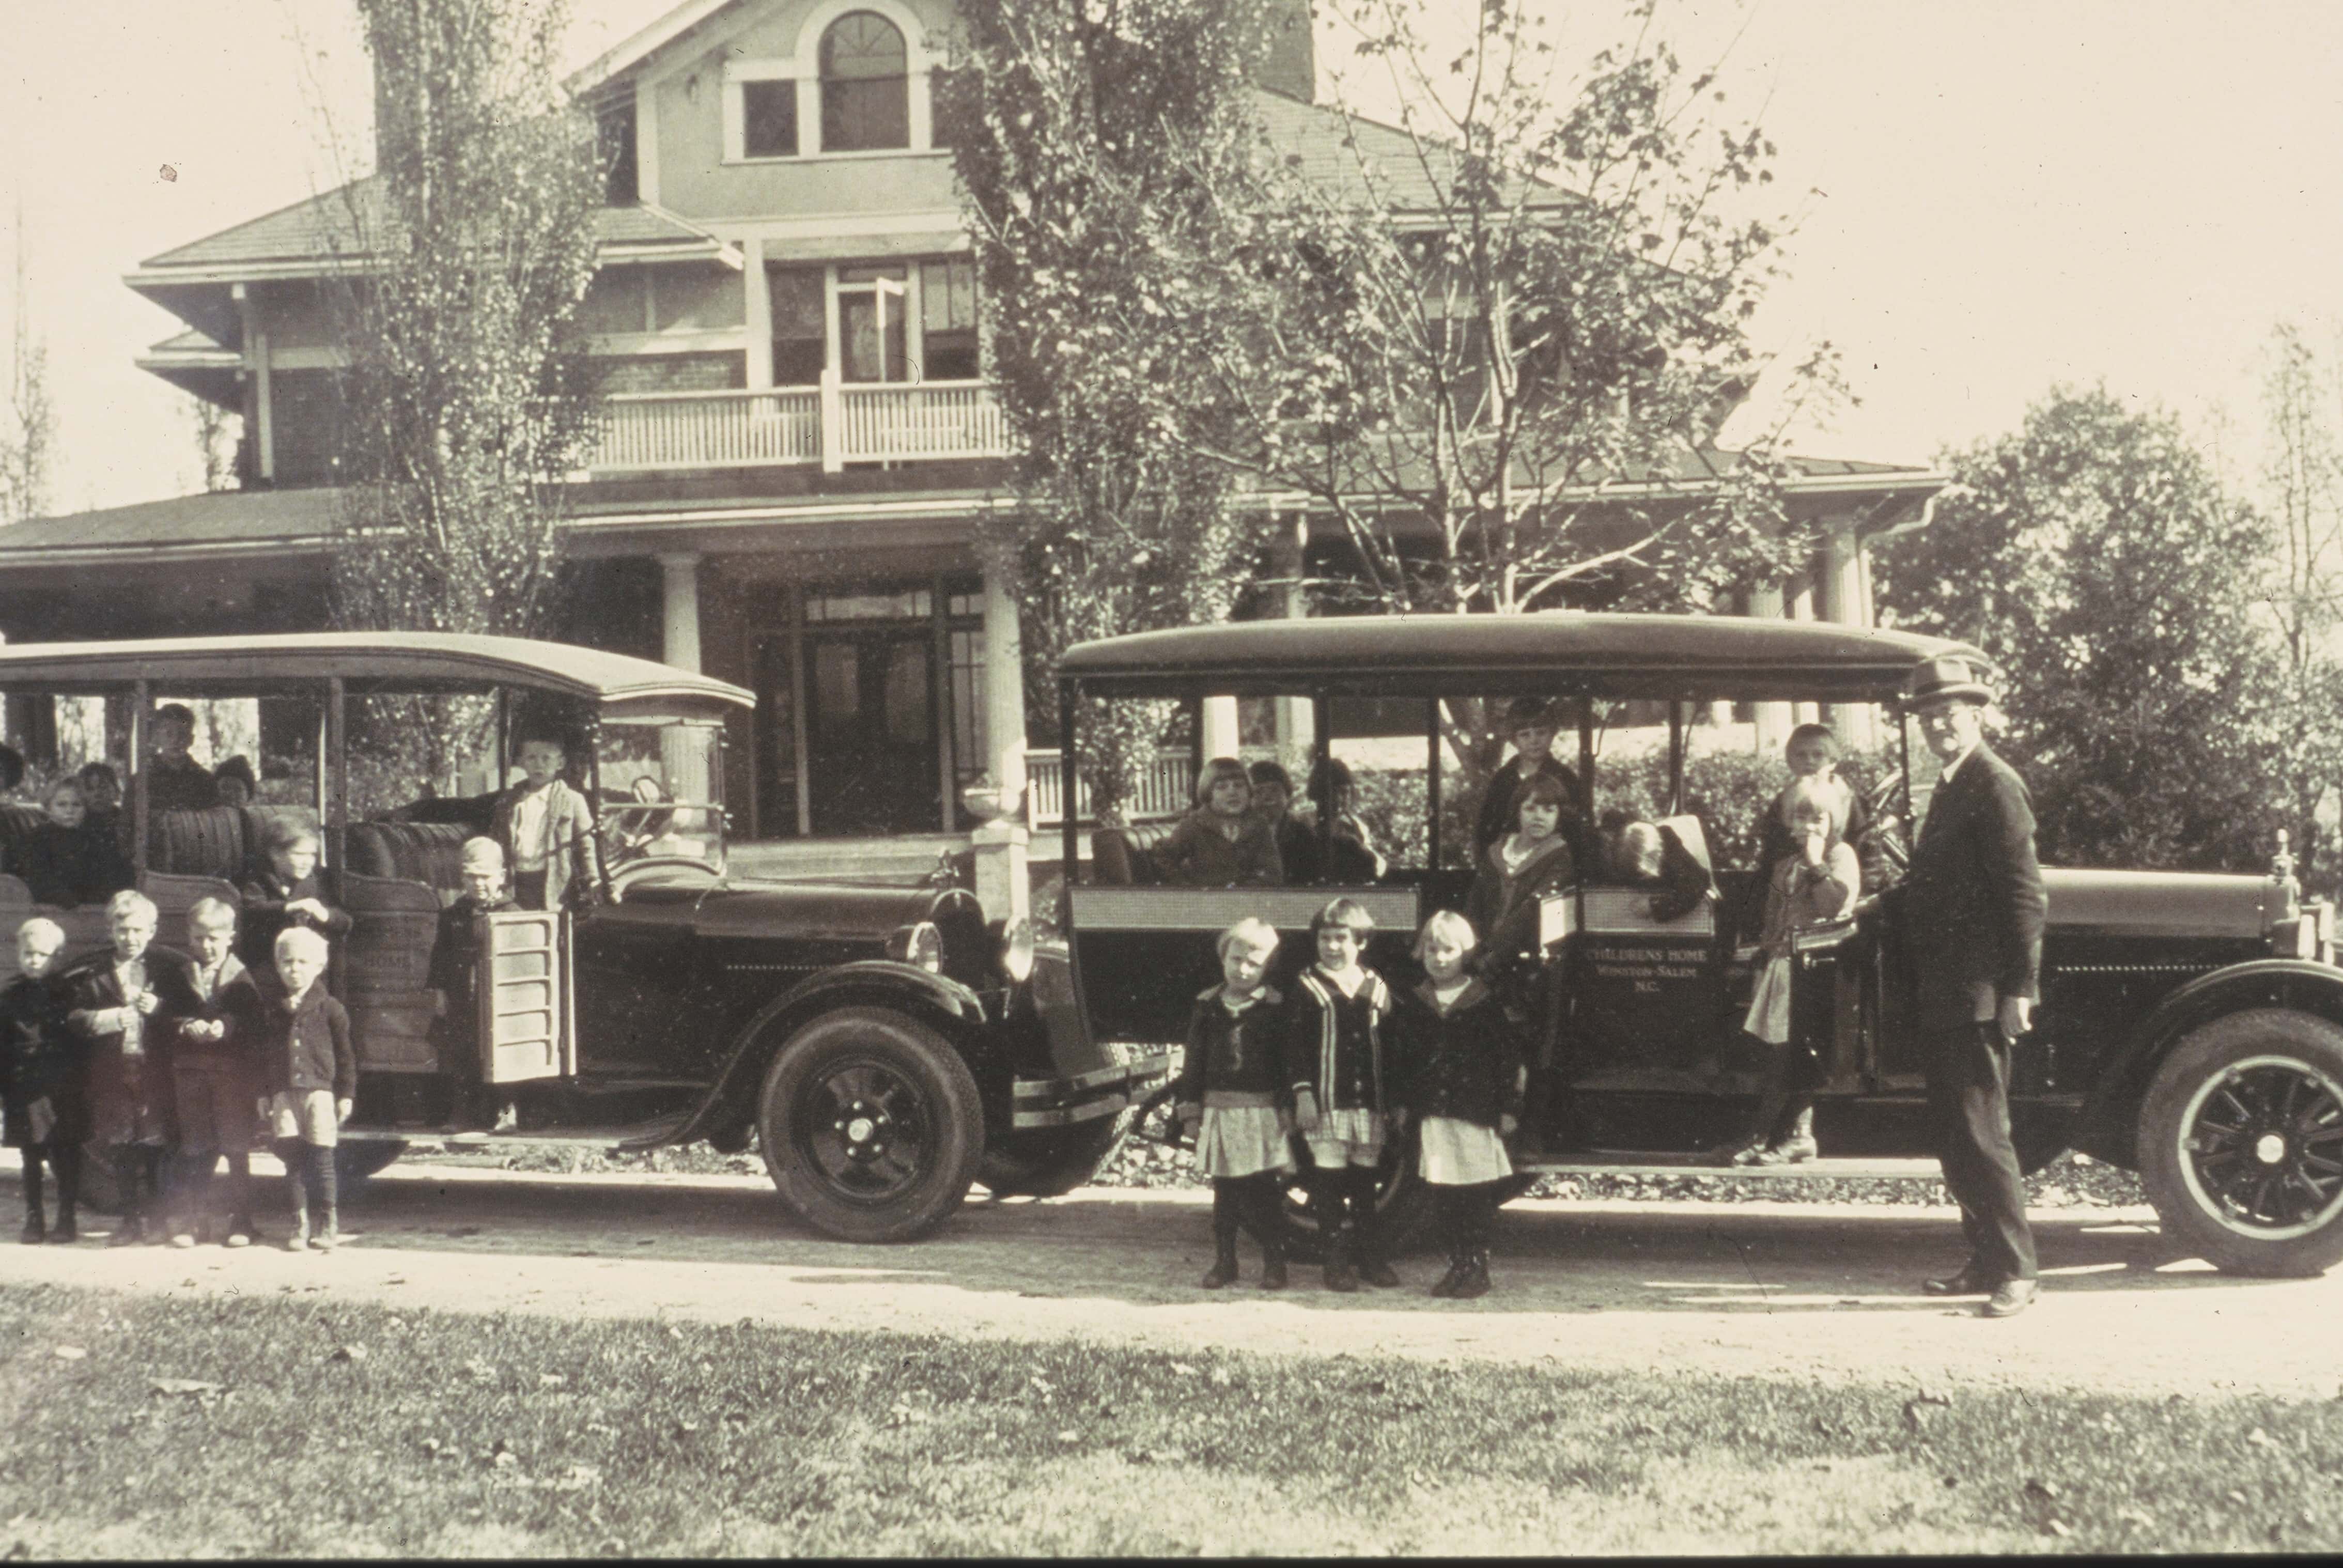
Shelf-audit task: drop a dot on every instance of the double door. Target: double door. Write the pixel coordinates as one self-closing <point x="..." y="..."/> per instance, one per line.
<point x="871" y="732"/>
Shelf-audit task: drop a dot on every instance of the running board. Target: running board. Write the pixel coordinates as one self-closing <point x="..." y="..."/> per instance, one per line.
<point x="628" y="1139"/>
<point x="1803" y="1171"/>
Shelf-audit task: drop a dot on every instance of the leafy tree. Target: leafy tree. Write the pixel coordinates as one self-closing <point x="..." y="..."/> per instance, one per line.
<point x="1501" y="309"/>
<point x="215" y="432"/>
<point x="1110" y="157"/>
<point x="28" y="435"/>
<point x="467" y="392"/>
<point x="2096" y="557"/>
<point x="2302" y="491"/>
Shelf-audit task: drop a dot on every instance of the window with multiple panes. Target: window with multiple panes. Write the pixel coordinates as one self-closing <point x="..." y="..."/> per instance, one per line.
<point x="769" y="119"/>
<point x="947" y="320"/>
<point x="799" y="334"/>
<point x="866" y="88"/>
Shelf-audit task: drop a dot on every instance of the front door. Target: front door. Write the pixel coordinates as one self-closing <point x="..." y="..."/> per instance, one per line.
<point x="870" y="731"/>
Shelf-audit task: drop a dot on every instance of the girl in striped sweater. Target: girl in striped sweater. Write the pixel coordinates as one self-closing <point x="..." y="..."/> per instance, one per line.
<point x="1335" y="1061"/>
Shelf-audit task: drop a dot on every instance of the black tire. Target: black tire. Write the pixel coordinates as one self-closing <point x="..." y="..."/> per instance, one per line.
<point x="1047" y="1165"/>
<point x="355" y="1160"/>
<point x="1404" y="1211"/>
<point x="2241" y="1143"/>
<point x="871" y="1126"/>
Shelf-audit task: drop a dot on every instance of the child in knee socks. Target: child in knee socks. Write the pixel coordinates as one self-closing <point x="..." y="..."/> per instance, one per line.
<point x="1233" y="1106"/>
<point x="1335" y="1062"/>
<point x="1461" y="1069"/>
<point x="309" y="1075"/>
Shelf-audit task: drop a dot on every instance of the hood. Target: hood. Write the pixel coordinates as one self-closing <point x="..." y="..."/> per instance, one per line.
<point x="2160" y="903"/>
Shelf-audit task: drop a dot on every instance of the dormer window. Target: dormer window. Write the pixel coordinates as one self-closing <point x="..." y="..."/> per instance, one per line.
<point x="866" y="90"/>
<point x="857" y="86"/>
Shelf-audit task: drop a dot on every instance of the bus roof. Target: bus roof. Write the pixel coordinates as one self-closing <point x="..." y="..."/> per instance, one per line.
<point x="368" y="661"/>
<point x="1681" y="656"/>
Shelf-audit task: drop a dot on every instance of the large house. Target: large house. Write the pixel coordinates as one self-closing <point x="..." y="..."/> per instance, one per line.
<point x="798" y="447"/>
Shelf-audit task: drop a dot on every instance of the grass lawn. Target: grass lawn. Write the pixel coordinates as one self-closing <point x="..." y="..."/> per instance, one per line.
<point x="298" y="1425"/>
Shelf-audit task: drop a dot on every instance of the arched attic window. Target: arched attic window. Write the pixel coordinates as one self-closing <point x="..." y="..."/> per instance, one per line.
<point x="866" y="90"/>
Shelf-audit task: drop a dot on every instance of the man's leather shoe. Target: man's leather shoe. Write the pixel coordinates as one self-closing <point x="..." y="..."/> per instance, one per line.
<point x="2012" y="1298"/>
<point x="1970" y="1281"/>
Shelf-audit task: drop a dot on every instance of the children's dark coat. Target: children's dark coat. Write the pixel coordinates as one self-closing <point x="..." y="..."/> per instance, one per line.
<point x="230" y="1053"/>
<point x="1241" y="1052"/>
<point x="41" y="1057"/>
<point x="135" y="1090"/>
<point x="455" y="975"/>
<point x="264" y="917"/>
<point x="1347" y="1072"/>
<point x="301" y="1049"/>
<point x="1199" y="855"/>
<point x="68" y="866"/>
<point x="1466" y="1063"/>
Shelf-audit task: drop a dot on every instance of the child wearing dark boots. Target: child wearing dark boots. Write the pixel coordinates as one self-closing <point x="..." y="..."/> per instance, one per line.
<point x="1335" y="1061"/>
<point x="308" y="1077"/>
<point x="120" y="1003"/>
<point x="41" y="1058"/>
<point x="1233" y="1106"/>
<point x="213" y="1084"/>
<point x="1463" y="1072"/>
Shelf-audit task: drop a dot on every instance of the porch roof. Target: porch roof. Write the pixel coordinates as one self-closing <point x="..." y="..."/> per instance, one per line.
<point x="1553" y="653"/>
<point x="223" y="520"/>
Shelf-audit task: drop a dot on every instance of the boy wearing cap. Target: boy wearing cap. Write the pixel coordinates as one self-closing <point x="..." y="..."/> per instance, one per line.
<point x="455" y="966"/>
<point x="1971" y="910"/>
<point x="1531" y="726"/>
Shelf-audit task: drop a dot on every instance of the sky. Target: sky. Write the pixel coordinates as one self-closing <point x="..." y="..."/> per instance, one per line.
<point x="2006" y="194"/>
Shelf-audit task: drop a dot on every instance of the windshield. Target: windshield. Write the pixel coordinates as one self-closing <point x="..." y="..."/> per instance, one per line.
<point x="661" y="792"/>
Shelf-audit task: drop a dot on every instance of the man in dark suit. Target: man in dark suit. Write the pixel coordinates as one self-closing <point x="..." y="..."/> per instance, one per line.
<point x="1971" y="910"/>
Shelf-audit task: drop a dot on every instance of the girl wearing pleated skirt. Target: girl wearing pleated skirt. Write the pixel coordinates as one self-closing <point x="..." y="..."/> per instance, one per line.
<point x="1233" y="1102"/>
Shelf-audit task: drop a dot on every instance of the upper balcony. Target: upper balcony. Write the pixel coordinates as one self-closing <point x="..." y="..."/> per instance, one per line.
<point x="832" y="425"/>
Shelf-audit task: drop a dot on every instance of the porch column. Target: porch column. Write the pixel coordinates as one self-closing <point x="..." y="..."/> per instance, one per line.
<point x="1221" y="731"/>
<point x="757" y="298"/>
<point x="1003" y="884"/>
<point x="679" y="575"/>
<point x="1774" y="718"/>
<point x="1295" y="733"/>
<point x="1801" y="596"/>
<point x="1846" y="601"/>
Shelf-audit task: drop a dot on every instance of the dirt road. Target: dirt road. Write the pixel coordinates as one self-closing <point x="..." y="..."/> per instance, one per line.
<point x="1778" y="1289"/>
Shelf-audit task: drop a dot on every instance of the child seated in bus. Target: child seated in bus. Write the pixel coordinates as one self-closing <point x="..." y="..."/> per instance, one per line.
<point x="292" y="891"/>
<point x="68" y="860"/>
<point x="1814" y="883"/>
<point x="1521" y="867"/>
<point x="43" y="1062"/>
<point x="1220" y="843"/>
<point x="1462" y="1074"/>
<point x="1812" y="754"/>
<point x="1335" y="1062"/>
<point x="455" y="975"/>
<point x="100" y="789"/>
<point x="1234" y="1108"/>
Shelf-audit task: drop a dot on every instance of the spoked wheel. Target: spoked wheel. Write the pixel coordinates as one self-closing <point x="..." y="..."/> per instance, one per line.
<point x="1402" y="1206"/>
<point x="871" y="1125"/>
<point x="2241" y="1143"/>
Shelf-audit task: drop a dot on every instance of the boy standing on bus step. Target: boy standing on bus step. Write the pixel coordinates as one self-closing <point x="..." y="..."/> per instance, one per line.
<point x="546" y="832"/>
<point x="455" y="975"/>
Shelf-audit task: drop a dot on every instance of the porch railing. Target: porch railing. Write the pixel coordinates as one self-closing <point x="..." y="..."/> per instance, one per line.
<point x="833" y="424"/>
<point x="1163" y="789"/>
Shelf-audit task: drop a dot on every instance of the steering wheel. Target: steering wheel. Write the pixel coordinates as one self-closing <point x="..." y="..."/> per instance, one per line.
<point x="634" y="829"/>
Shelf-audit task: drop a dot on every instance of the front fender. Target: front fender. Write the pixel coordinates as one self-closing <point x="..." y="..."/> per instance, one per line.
<point x="2107" y="1125"/>
<point x="952" y="1008"/>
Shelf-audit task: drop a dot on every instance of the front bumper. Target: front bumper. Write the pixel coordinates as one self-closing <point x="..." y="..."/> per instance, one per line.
<point x="1038" y="1103"/>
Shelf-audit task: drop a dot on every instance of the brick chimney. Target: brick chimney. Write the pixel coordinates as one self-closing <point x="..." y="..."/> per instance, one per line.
<point x="1290" y="65"/>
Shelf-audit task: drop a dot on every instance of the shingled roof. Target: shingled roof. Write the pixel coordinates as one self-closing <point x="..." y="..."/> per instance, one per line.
<point x="325" y="229"/>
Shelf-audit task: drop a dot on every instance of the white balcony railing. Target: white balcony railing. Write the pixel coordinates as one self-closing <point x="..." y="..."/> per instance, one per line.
<point x="1163" y="791"/>
<point x="834" y="424"/>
